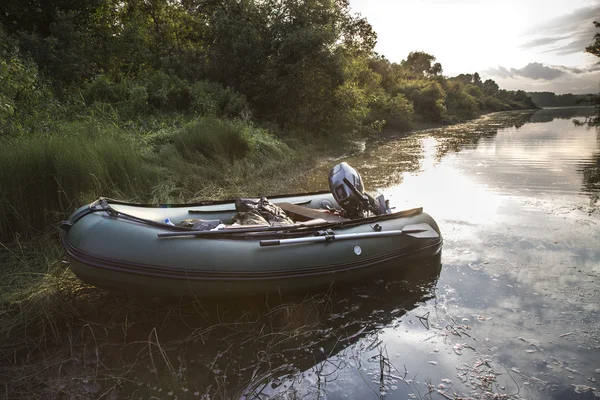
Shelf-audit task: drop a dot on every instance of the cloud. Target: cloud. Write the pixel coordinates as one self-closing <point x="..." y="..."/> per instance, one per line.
<point x="539" y="77"/>
<point x="539" y="71"/>
<point x="566" y="34"/>
<point x="543" y="41"/>
<point x="532" y="71"/>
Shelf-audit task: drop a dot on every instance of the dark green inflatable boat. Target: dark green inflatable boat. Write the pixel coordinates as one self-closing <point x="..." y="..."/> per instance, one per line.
<point x="124" y="246"/>
<point x="304" y="241"/>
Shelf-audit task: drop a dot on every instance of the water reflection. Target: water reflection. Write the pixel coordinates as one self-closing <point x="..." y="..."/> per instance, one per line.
<point x="384" y="162"/>
<point x="550" y="114"/>
<point x="511" y="193"/>
<point x="590" y="170"/>
<point x="528" y="156"/>
<point x="244" y="347"/>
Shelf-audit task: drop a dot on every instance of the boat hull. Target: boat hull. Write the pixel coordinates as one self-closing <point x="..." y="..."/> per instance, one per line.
<point x="119" y="254"/>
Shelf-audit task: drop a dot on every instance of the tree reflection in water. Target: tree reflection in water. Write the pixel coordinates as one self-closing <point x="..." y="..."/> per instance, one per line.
<point x="590" y="171"/>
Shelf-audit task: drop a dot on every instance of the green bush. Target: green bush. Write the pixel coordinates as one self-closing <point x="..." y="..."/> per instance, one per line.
<point x="461" y="104"/>
<point x="102" y="89"/>
<point x="25" y="101"/>
<point x="393" y="112"/>
<point x="127" y="98"/>
<point x="189" y="174"/>
<point x="167" y="92"/>
<point x="493" y="104"/>
<point x="211" y="98"/>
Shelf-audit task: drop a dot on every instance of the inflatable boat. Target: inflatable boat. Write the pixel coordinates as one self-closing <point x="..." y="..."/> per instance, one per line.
<point x="144" y="248"/>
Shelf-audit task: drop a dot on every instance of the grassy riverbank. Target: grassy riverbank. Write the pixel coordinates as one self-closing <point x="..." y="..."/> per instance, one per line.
<point x="46" y="177"/>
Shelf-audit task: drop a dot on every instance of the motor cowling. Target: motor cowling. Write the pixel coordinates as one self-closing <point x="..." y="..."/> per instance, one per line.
<point x="350" y="196"/>
<point x="348" y="190"/>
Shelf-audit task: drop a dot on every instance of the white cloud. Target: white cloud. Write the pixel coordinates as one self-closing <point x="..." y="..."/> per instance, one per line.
<point x="539" y="71"/>
<point x="536" y="77"/>
<point x="566" y="34"/>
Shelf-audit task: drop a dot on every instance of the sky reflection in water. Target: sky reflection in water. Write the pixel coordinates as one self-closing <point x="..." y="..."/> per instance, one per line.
<point x="519" y="292"/>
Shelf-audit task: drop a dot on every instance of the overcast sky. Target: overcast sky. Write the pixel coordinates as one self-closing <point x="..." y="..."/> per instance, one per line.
<point x="534" y="45"/>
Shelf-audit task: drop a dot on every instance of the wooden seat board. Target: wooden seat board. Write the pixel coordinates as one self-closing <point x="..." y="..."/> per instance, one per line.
<point x="300" y="213"/>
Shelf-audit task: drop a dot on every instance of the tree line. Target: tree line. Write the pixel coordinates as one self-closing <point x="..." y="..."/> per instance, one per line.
<point x="288" y="65"/>
<point x="550" y="99"/>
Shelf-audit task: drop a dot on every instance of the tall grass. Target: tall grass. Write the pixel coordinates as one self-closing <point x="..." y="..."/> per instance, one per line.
<point x="211" y="158"/>
<point x="213" y="138"/>
<point x="42" y="177"/>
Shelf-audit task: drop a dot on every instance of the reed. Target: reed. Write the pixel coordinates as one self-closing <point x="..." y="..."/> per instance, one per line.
<point x="43" y="177"/>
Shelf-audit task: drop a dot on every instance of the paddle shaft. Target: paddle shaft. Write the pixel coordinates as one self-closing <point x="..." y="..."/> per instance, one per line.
<point x="245" y="229"/>
<point x="420" y="231"/>
<point x="329" y="238"/>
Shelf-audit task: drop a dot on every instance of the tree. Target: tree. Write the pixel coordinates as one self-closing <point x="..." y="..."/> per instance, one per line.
<point x="290" y="59"/>
<point x="490" y="87"/>
<point x="421" y="63"/>
<point x="22" y="93"/>
<point x="594" y="48"/>
<point x="465" y="79"/>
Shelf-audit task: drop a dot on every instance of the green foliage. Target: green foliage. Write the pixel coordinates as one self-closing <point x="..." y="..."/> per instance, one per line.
<point x="594" y="48"/>
<point x="23" y="95"/>
<point x="127" y="98"/>
<point x="166" y="92"/>
<point x="401" y="112"/>
<point x="492" y="103"/>
<point x="474" y="91"/>
<point x="435" y="98"/>
<point x="490" y="88"/>
<point x="462" y="100"/>
<point x="159" y="92"/>
<point x="549" y="99"/>
<point x="101" y="89"/>
<point x="395" y="112"/>
<point x="428" y="97"/>
<point x="211" y="98"/>
<point x="292" y="65"/>
<point x="420" y="63"/>
<point x="291" y="60"/>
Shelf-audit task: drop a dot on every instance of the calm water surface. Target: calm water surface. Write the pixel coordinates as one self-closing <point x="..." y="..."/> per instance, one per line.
<point x="511" y="308"/>
<point x="518" y="298"/>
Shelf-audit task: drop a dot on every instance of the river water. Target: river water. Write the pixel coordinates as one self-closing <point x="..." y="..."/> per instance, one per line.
<point x="516" y="309"/>
<point x="511" y="309"/>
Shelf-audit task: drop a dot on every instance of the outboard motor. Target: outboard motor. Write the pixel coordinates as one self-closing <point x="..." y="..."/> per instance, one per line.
<point x="348" y="190"/>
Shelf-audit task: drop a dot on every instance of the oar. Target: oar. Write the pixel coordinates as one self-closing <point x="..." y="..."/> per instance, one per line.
<point x="421" y="231"/>
<point x="247" y="229"/>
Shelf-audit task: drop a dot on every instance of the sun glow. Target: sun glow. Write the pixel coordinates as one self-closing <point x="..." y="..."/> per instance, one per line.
<point x="465" y="36"/>
<point x="443" y="190"/>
